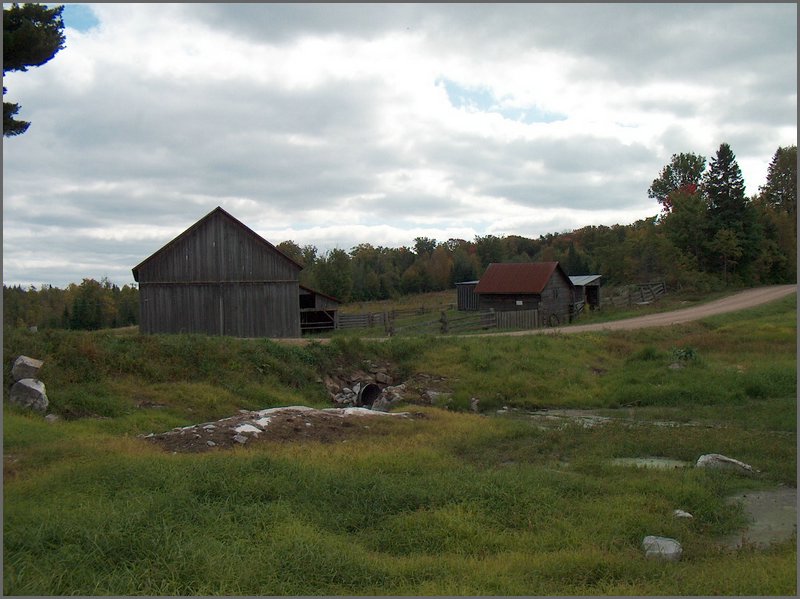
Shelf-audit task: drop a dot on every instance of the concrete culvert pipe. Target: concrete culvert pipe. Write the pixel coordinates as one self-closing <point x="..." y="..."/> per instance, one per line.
<point x="368" y="394"/>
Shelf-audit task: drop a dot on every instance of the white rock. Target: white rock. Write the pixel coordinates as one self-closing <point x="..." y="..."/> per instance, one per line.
<point x="721" y="462"/>
<point x="682" y="514"/>
<point x="662" y="548"/>
<point x="247" y="428"/>
<point x="26" y="368"/>
<point x="29" y="393"/>
<point x="240" y="439"/>
<point x="269" y="411"/>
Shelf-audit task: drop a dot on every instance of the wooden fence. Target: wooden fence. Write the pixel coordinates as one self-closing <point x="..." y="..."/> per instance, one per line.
<point x="361" y="321"/>
<point x="442" y="320"/>
<point x="644" y="293"/>
<point x="522" y="319"/>
<point x="447" y="322"/>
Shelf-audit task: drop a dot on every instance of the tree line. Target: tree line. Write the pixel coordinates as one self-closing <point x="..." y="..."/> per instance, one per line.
<point x="707" y="236"/>
<point x="91" y="305"/>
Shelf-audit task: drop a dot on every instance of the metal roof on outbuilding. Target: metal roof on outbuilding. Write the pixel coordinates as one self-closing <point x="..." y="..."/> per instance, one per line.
<point x="517" y="277"/>
<point x="582" y="280"/>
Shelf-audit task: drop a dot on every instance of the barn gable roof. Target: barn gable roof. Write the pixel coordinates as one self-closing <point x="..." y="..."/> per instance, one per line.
<point x="518" y="277"/>
<point x="217" y="211"/>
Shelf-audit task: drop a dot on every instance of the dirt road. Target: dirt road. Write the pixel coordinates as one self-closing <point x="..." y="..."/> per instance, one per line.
<point x="739" y="301"/>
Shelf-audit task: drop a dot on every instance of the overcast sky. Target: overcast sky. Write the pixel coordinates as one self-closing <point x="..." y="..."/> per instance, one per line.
<point x="335" y="125"/>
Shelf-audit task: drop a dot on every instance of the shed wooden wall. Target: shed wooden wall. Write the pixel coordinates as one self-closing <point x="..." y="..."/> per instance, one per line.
<point x="507" y="302"/>
<point x="556" y="298"/>
<point x="467" y="299"/>
<point x="219" y="278"/>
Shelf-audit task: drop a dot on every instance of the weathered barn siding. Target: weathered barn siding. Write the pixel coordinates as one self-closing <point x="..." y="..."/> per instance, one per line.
<point x="218" y="248"/>
<point x="221" y="278"/>
<point x="587" y="289"/>
<point x="467" y="299"/>
<point x="234" y="309"/>
<point x="318" y="312"/>
<point x="556" y="299"/>
<point x="518" y="287"/>
<point x="518" y="319"/>
<point x="511" y="302"/>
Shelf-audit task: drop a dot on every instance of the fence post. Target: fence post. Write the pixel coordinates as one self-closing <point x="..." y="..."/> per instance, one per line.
<point x="443" y="320"/>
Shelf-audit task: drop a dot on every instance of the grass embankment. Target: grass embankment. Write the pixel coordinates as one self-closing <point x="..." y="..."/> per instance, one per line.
<point x="455" y="503"/>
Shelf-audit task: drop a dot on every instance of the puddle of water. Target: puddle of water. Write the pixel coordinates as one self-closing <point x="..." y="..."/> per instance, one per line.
<point x="772" y="515"/>
<point x="660" y="463"/>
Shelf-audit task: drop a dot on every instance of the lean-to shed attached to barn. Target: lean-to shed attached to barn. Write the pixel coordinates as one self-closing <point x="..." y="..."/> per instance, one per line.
<point x="587" y="289"/>
<point x="221" y="278"/>
<point x="466" y="297"/>
<point x="542" y="286"/>
<point x="318" y="311"/>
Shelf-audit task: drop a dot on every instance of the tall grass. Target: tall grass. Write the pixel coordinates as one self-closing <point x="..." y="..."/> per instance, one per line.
<point x="454" y="503"/>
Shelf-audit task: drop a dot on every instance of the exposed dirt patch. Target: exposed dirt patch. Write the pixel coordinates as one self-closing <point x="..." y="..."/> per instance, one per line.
<point x="289" y="424"/>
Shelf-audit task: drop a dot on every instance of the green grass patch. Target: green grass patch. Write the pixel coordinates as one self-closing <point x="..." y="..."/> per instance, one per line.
<point x="454" y="503"/>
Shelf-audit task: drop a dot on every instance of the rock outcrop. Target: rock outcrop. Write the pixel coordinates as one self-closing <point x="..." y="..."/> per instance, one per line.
<point x="662" y="548"/>
<point x="721" y="462"/>
<point x="29" y="393"/>
<point x="26" y="368"/>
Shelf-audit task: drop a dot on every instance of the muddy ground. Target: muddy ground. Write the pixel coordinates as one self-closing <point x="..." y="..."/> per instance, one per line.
<point x="772" y="513"/>
<point x="295" y="424"/>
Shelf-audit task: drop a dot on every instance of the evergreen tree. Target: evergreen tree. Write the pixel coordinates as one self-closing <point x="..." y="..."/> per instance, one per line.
<point x="32" y="35"/>
<point x="575" y="264"/>
<point x="723" y="186"/>
<point x="780" y="190"/>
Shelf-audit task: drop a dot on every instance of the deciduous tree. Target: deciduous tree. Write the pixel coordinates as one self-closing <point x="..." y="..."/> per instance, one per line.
<point x="683" y="173"/>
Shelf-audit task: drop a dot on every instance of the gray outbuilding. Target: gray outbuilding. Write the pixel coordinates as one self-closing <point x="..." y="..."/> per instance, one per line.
<point x="219" y="277"/>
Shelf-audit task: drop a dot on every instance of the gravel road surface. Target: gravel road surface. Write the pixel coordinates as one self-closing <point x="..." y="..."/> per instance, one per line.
<point x="739" y="301"/>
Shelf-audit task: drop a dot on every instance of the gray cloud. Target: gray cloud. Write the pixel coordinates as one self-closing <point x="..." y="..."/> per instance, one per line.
<point x="113" y="168"/>
<point x="279" y="23"/>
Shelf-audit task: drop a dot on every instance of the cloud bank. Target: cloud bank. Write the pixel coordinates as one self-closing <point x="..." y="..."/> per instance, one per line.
<point x="335" y="125"/>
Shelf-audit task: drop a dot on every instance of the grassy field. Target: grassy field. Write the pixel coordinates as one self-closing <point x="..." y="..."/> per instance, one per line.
<point x="454" y="503"/>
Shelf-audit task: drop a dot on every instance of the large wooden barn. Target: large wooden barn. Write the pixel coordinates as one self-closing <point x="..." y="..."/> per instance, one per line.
<point x="542" y="286"/>
<point x="221" y="278"/>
